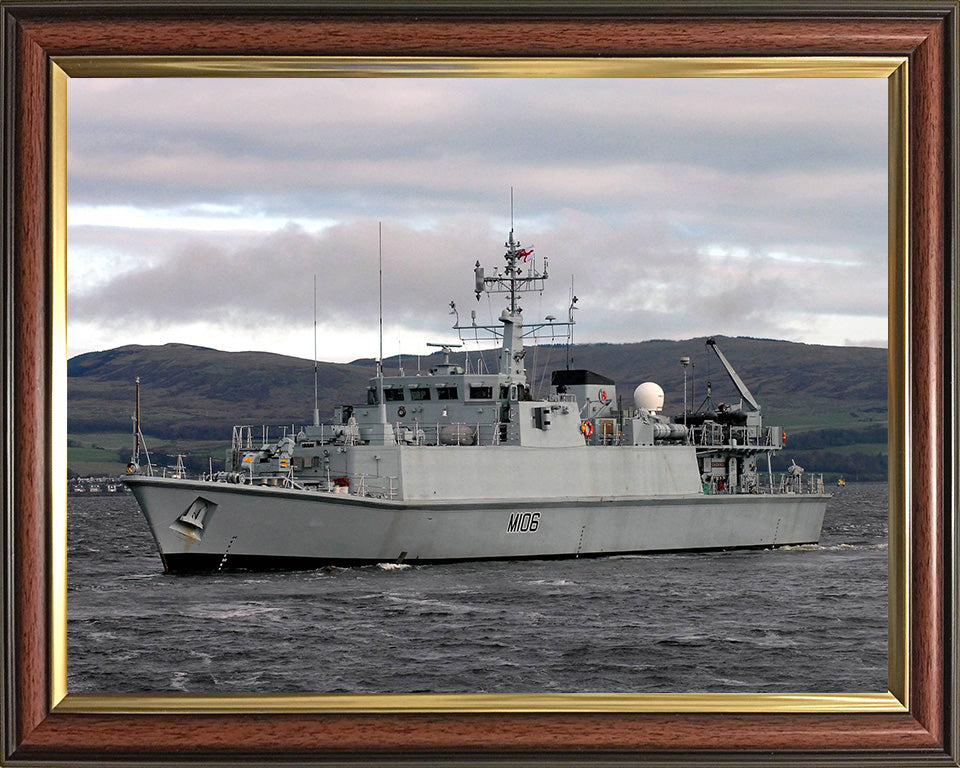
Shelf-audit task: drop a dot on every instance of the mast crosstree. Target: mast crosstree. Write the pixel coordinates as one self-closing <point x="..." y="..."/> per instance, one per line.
<point x="514" y="280"/>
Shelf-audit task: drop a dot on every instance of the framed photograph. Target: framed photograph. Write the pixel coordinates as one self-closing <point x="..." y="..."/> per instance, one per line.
<point x="47" y="45"/>
<point x="651" y="192"/>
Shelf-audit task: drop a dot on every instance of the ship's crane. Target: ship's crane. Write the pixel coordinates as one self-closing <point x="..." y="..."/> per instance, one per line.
<point x="737" y="381"/>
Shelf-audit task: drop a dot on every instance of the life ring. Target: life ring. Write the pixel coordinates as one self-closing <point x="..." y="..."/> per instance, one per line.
<point x="587" y="428"/>
<point x="401" y="411"/>
<point x="603" y="395"/>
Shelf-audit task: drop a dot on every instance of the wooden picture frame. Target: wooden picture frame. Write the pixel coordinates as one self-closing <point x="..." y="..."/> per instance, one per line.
<point x="40" y="726"/>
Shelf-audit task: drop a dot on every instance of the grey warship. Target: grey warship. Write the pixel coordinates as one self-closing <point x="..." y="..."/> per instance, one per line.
<point x="453" y="465"/>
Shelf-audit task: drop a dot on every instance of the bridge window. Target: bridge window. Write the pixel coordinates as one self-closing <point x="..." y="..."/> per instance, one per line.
<point x="481" y="392"/>
<point x="391" y="395"/>
<point x="446" y="393"/>
<point x="420" y="393"/>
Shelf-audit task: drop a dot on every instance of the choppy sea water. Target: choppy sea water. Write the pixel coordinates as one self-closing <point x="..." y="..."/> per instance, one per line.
<point x="801" y="619"/>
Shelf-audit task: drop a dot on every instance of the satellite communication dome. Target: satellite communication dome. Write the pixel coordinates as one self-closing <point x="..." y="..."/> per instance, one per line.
<point x="648" y="396"/>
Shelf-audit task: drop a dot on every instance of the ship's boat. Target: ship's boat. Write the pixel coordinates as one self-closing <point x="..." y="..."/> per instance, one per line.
<point x="454" y="464"/>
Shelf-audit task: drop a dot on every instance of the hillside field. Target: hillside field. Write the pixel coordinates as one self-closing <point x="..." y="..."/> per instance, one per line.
<point x="830" y="401"/>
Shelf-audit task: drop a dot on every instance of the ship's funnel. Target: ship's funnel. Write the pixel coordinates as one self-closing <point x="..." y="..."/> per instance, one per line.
<point x="649" y="397"/>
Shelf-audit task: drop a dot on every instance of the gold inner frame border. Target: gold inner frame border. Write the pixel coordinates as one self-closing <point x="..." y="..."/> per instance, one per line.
<point x="894" y="69"/>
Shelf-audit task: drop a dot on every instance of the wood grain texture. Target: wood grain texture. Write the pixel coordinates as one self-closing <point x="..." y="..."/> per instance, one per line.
<point x="928" y="354"/>
<point x="30" y="404"/>
<point x="595" y="738"/>
<point x="296" y="735"/>
<point x="467" y="36"/>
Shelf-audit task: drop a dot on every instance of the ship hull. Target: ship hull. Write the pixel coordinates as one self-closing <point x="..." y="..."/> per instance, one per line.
<point x="203" y="526"/>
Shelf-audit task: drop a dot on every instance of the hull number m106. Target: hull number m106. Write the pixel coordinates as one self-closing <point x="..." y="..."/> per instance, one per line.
<point x="523" y="522"/>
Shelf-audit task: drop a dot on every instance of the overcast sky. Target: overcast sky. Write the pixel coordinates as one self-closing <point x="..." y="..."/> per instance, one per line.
<point x="200" y="210"/>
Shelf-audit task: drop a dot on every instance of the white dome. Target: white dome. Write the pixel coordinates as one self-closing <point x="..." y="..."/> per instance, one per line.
<point x="648" y="396"/>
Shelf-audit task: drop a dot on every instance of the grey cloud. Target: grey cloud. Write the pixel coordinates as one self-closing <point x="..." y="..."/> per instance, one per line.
<point x="264" y="136"/>
<point x="269" y="279"/>
<point x="629" y="281"/>
<point x="627" y="183"/>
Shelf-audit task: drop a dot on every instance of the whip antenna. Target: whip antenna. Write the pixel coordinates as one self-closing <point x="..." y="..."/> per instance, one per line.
<point x="382" y="409"/>
<point x="380" y="262"/>
<point x="316" y="403"/>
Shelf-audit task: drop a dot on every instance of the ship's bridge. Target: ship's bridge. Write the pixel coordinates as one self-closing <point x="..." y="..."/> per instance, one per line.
<point x="448" y="386"/>
<point x="446" y="396"/>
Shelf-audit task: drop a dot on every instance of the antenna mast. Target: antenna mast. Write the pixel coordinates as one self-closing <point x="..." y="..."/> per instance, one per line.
<point x="380" y="262"/>
<point x="513" y="280"/>
<point x="136" y="428"/>
<point x="573" y="306"/>
<point x="316" y="403"/>
<point x="134" y="466"/>
<point x="386" y="435"/>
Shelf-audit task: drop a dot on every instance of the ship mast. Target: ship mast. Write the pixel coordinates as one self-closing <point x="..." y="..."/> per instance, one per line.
<point x="384" y="430"/>
<point x="134" y="464"/>
<point x="513" y="280"/>
<point x="511" y="257"/>
<point x="138" y="442"/>
<point x="511" y="353"/>
<point x="316" y="389"/>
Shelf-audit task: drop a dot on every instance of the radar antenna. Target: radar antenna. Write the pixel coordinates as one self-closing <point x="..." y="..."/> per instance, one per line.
<point x="447" y="350"/>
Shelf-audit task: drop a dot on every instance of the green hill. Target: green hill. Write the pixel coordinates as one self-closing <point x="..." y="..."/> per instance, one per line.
<point x="832" y="401"/>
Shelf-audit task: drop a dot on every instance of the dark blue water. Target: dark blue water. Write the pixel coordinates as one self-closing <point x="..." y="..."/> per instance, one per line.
<point x="805" y="619"/>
